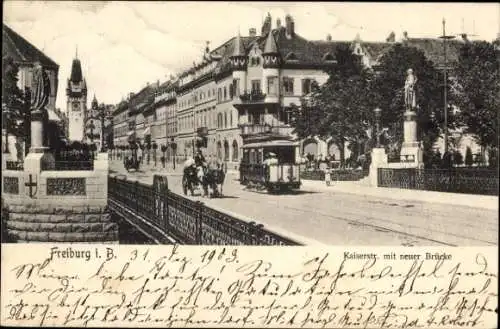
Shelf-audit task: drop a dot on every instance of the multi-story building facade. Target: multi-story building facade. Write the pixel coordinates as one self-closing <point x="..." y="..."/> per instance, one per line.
<point x="93" y="125"/>
<point x="244" y="88"/>
<point x="121" y="130"/>
<point x="140" y="115"/>
<point x="164" y="128"/>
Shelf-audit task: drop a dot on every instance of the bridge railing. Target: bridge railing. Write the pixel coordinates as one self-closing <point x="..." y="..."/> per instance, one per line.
<point x="185" y="220"/>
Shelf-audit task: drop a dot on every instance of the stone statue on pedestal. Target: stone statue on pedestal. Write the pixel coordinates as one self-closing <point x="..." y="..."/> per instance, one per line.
<point x="40" y="90"/>
<point x="410" y="99"/>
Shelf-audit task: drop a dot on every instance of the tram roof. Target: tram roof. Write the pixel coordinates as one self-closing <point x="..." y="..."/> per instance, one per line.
<point x="275" y="143"/>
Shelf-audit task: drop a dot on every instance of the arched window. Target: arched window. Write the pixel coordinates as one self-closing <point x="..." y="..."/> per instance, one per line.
<point x="231" y="118"/>
<point x="226" y="151"/>
<point x="225" y="93"/>
<point x="219" y="120"/>
<point x="291" y="57"/>
<point x="225" y="120"/>
<point x="219" y="150"/>
<point x="235" y="151"/>
<point x="231" y="93"/>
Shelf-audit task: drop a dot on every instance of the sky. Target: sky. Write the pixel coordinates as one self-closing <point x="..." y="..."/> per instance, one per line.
<point x="124" y="45"/>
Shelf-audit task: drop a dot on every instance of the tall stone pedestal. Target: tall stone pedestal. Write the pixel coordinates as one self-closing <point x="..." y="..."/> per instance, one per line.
<point x="379" y="160"/>
<point x="411" y="150"/>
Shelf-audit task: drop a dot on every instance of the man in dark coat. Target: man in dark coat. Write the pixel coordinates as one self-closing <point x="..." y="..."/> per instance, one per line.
<point x="199" y="159"/>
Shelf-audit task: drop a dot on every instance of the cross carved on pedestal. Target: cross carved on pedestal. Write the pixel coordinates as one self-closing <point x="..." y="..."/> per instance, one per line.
<point x="31" y="184"/>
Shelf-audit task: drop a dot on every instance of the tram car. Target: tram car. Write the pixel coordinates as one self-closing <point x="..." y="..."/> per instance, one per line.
<point x="280" y="174"/>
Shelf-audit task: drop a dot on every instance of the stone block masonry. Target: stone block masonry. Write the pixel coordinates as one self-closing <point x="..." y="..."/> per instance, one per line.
<point x="50" y="223"/>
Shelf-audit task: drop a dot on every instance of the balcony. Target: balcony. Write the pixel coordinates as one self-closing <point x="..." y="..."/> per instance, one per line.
<point x="255" y="129"/>
<point x="253" y="96"/>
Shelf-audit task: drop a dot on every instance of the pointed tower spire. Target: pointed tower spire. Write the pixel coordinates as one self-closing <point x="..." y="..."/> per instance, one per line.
<point x="271" y="54"/>
<point x="270" y="47"/>
<point x="238" y="58"/>
<point x="238" y="47"/>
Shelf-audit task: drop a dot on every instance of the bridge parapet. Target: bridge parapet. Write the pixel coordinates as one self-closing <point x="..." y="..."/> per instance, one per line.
<point x="171" y="218"/>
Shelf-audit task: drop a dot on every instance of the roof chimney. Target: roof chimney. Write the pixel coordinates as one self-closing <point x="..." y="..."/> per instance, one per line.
<point x="405" y="36"/>
<point x="464" y="37"/>
<point x="391" y="37"/>
<point x="252" y="32"/>
<point x="328" y="37"/>
<point x="266" y="27"/>
<point x="278" y="23"/>
<point x="290" y="26"/>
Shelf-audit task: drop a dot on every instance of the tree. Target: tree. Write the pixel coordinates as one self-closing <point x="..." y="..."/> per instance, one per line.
<point x="12" y="99"/>
<point x="468" y="157"/>
<point x="387" y="90"/>
<point x="338" y="108"/>
<point x="458" y="159"/>
<point x="478" y="91"/>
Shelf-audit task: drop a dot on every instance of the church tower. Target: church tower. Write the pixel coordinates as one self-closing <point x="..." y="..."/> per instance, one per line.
<point x="76" y="93"/>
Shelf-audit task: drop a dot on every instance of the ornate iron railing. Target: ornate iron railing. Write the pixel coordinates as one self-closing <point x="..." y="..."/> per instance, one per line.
<point x="188" y="221"/>
<point x="335" y="175"/>
<point x="455" y="180"/>
<point x="15" y="165"/>
<point x="73" y="160"/>
<point x="253" y="96"/>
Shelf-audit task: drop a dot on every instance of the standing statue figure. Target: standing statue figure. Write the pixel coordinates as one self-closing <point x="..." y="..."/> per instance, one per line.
<point x="40" y="90"/>
<point x="410" y="99"/>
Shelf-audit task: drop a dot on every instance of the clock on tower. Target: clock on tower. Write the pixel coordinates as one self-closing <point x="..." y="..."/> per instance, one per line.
<point x="76" y="106"/>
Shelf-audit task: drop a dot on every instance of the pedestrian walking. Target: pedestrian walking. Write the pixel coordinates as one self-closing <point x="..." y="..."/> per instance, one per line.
<point x="328" y="176"/>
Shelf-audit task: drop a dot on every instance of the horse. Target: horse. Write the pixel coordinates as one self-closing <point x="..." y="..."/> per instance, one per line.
<point x="211" y="178"/>
<point x="189" y="179"/>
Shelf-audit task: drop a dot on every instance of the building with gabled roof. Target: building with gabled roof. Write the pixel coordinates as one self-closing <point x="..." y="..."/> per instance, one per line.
<point x="25" y="55"/>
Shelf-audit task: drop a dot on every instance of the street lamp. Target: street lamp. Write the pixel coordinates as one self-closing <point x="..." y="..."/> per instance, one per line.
<point x="173" y="145"/>
<point x="101" y="116"/>
<point x="378" y="113"/>
<point x="445" y="95"/>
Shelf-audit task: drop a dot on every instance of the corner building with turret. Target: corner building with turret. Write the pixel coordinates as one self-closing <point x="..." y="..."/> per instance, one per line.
<point x="243" y="90"/>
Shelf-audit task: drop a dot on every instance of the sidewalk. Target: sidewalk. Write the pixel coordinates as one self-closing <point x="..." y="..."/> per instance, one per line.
<point x="458" y="199"/>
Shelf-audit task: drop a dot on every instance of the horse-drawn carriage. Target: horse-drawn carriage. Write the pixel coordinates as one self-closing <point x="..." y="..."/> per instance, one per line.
<point x="131" y="162"/>
<point x="203" y="177"/>
<point x="281" y="174"/>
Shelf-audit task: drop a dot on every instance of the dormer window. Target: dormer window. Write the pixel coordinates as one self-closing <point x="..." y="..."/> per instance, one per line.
<point x="255" y="61"/>
<point x="291" y="57"/>
<point x="328" y="57"/>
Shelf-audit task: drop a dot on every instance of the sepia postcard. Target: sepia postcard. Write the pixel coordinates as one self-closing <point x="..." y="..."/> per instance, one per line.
<point x="249" y="164"/>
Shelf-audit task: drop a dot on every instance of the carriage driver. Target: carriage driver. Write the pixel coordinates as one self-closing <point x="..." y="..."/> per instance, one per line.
<point x="199" y="159"/>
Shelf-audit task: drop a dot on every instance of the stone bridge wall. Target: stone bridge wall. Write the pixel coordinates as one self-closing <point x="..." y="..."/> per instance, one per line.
<point x="36" y="223"/>
<point x="59" y="206"/>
